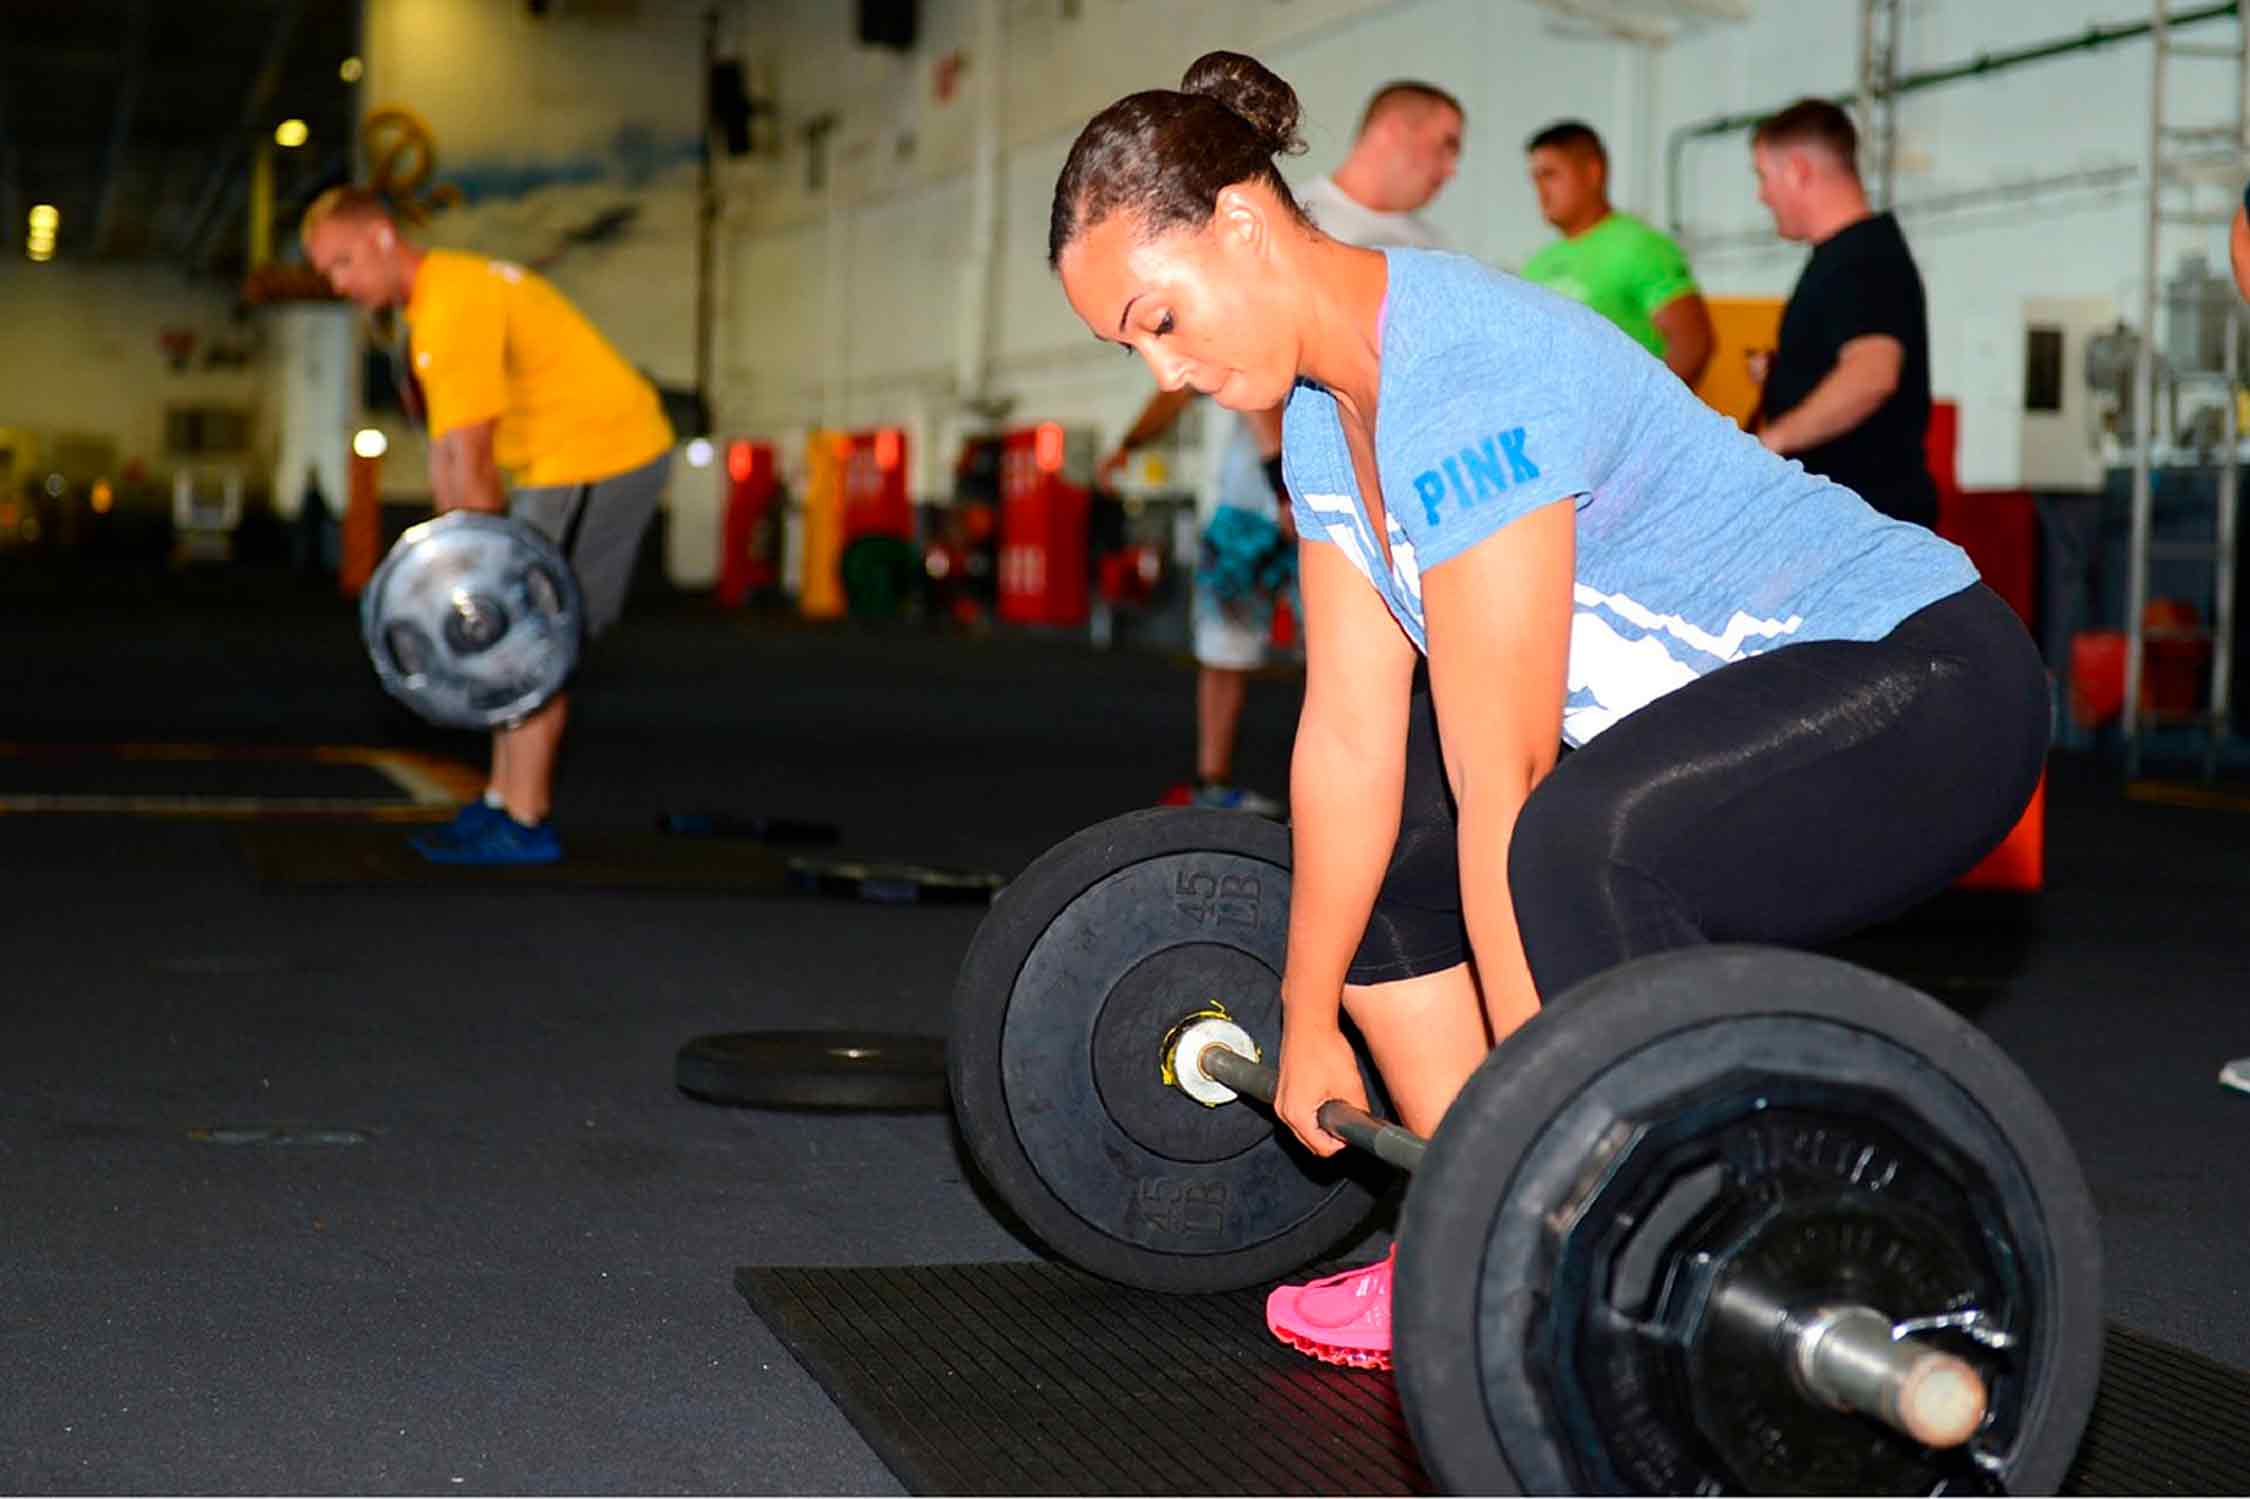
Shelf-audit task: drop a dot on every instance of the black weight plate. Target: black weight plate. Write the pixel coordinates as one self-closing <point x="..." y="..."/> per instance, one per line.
<point x="893" y="884"/>
<point x="814" y="1070"/>
<point x="1072" y="982"/>
<point x="753" y="826"/>
<point x="1895" y="1109"/>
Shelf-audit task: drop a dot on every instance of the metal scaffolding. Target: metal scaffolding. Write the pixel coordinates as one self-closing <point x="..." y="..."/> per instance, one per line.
<point x="1878" y="93"/>
<point x="2183" y="158"/>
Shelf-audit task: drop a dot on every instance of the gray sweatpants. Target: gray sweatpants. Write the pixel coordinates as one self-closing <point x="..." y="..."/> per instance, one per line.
<point x="599" y="527"/>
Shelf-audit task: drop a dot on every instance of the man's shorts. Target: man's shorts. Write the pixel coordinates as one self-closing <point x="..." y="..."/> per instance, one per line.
<point x="1235" y="633"/>
<point x="599" y="527"/>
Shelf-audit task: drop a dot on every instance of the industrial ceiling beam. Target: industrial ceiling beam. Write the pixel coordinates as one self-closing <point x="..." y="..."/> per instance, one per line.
<point x="11" y="189"/>
<point x="1651" y="21"/>
<point x="236" y="145"/>
<point x="61" y="60"/>
<point x="121" y="124"/>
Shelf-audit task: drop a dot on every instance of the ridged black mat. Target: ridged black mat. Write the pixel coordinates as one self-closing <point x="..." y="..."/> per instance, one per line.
<point x="1035" y="1378"/>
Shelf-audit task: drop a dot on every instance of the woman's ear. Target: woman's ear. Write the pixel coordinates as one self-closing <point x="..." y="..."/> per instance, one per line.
<point x="1241" y="219"/>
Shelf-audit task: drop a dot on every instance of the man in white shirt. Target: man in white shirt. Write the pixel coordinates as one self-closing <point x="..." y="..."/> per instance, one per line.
<point x="1407" y="148"/>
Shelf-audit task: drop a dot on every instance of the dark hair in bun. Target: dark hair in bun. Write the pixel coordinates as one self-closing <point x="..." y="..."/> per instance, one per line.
<point x="1166" y="155"/>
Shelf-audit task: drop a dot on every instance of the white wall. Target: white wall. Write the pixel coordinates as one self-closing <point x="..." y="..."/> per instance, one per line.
<point x="841" y="306"/>
<point x="2028" y="130"/>
<point x="841" y="303"/>
<point x="315" y="402"/>
<point x="546" y="124"/>
<point x="84" y="359"/>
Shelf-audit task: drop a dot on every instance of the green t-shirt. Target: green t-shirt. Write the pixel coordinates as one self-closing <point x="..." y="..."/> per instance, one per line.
<point x="1621" y="268"/>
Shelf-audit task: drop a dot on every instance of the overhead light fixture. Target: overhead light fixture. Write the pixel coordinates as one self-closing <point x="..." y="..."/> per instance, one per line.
<point x="291" y="133"/>
<point x="699" y="452"/>
<point x="369" y="442"/>
<point x="350" y="69"/>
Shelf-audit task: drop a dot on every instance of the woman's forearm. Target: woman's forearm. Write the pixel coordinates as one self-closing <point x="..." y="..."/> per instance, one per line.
<point x="1487" y="822"/>
<point x="1344" y="808"/>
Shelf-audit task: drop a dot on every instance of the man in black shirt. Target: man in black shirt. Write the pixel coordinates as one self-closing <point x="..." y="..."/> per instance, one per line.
<point x="1847" y="393"/>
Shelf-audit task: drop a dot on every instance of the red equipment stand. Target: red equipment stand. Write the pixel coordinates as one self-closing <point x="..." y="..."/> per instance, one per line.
<point x="1042" y="531"/>
<point x="744" y="567"/>
<point x="1999" y="529"/>
<point x="875" y="498"/>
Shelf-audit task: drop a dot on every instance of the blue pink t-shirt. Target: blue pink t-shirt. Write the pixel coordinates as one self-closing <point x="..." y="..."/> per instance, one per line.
<point x="1695" y="545"/>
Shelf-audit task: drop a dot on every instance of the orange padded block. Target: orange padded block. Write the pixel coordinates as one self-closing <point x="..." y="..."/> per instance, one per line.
<point x="2020" y="862"/>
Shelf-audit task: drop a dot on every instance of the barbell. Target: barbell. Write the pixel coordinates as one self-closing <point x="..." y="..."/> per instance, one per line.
<point x="473" y="620"/>
<point x="1726" y="1218"/>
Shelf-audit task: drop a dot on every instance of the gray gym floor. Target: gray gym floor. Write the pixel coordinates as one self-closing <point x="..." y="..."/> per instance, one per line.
<point x="522" y="1278"/>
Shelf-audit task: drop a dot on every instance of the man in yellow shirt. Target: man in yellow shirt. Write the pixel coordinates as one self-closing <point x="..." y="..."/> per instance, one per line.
<point x="531" y="411"/>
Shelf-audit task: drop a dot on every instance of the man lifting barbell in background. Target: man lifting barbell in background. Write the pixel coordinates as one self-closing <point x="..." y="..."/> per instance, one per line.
<point x="520" y="389"/>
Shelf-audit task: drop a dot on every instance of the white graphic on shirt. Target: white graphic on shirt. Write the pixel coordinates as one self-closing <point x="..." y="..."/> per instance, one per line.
<point x="1617" y="675"/>
<point x="1407" y="570"/>
<point x="1342" y="523"/>
<point x="1339" y="521"/>
<point x="1611" y="673"/>
<point x="1727" y="645"/>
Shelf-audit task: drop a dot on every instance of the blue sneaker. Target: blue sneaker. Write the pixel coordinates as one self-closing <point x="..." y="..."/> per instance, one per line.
<point x="469" y="821"/>
<point x="501" y="840"/>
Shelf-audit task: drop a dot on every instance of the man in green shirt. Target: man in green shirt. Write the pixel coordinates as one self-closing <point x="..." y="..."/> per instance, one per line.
<point x="1614" y="263"/>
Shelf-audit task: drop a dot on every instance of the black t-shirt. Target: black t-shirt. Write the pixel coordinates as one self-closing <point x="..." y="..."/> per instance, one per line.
<point x="1860" y="281"/>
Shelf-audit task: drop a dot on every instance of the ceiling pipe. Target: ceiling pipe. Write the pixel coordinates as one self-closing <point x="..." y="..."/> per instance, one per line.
<point x="1984" y="64"/>
<point x="973" y="330"/>
<point x="11" y="193"/>
<point x="205" y="217"/>
<point x="121" y="123"/>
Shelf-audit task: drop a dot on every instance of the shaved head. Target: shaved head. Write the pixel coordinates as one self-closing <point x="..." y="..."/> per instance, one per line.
<point x="345" y="205"/>
<point x="1409" y="96"/>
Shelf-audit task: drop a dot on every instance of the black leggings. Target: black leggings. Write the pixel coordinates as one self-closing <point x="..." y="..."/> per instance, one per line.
<point x="1788" y="798"/>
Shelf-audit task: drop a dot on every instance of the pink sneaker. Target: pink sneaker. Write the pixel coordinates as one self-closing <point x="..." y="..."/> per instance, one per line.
<point x="1343" y="1319"/>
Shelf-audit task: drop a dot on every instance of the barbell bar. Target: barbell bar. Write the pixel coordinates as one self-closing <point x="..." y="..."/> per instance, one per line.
<point x="1842" y="1355"/>
<point x="1627" y="1258"/>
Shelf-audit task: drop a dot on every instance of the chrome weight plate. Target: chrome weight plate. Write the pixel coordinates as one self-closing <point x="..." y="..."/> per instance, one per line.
<point x="473" y="620"/>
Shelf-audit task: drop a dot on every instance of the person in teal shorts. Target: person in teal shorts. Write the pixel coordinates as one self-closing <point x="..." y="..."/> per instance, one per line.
<point x="1616" y="264"/>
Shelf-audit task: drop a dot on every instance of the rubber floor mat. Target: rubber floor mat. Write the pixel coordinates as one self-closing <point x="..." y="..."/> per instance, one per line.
<point x="1038" y="1379"/>
<point x="1034" y="1379"/>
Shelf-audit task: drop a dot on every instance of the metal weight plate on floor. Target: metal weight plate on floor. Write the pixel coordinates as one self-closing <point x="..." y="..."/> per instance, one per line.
<point x="1086" y="963"/>
<point x="754" y="826"/>
<point x="892" y="883"/>
<point x="1693" y="1130"/>
<point x="814" y="1070"/>
<point x="473" y="620"/>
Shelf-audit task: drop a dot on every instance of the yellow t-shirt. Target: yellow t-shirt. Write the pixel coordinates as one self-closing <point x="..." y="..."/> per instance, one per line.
<point x="492" y="341"/>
